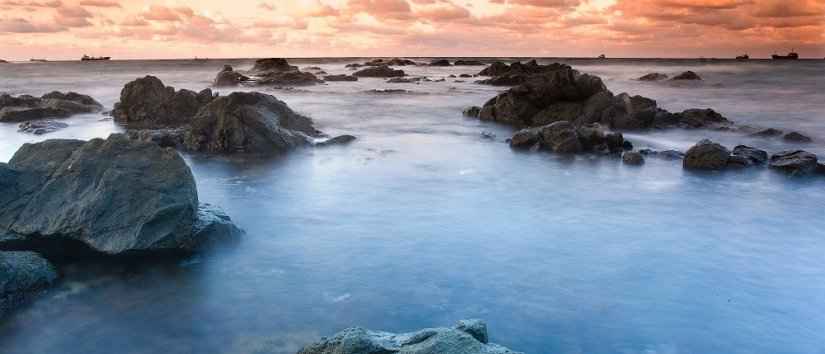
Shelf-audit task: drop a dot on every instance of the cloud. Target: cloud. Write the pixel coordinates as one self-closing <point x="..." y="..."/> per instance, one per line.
<point x="20" y="25"/>
<point x="100" y="3"/>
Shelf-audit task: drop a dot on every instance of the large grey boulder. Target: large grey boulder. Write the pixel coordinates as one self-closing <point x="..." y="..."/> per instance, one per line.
<point x="706" y="155"/>
<point x="147" y="103"/>
<point x="248" y="122"/>
<point x="22" y="275"/>
<point x="116" y="196"/>
<point x="468" y="337"/>
<point x="797" y="163"/>
<point x="51" y="105"/>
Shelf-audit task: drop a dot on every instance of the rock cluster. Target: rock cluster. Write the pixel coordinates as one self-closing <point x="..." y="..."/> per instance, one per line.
<point x="379" y="71"/>
<point x="565" y="138"/>
<point x="708" y="155"/>
<point x="23" y="108"/>
<point x="272" y="71"/>
<point x="40" y="127"/>
<point x="148" y="103"/>
<point x="517" y="73"/>
<point x="468" y="336"/>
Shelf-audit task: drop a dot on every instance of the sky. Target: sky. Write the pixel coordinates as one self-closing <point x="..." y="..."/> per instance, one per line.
<point x="125" y="29"/>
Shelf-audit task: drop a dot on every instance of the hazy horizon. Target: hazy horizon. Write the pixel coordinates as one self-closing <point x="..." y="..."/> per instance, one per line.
<point x="68" y="29"/>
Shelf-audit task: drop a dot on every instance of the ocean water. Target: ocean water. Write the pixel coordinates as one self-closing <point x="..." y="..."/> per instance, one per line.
<point x="423" y="221"/>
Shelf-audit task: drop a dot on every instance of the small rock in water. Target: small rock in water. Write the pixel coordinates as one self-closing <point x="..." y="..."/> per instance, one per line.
<point x="380" y="71"/>
<point x="41" y="127"/>
<point x="745" y="156"/>
<point x="796" y="138"/>
<point x="767" y="133"/>
<point x="706" y="155"/>
<point x="687" y="75"/>
<point x="22" y="275"/>
<point x="794" y="163"/>
<point x="653" y="77"/>
<point x="338" y="140"/>
<point x="472" y="111"/>
<point x="633" y="158"/>
<point x="333" y="78"/>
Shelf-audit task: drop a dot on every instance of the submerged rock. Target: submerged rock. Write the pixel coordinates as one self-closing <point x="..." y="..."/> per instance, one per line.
<point x="115" y="196"/>
<point x="248" y="122"/>
<point x="687" y="75"/>
<point x="229" y="77"/>
<point x="51" y="105"/>
<point x="379" y="71"/>
<point x="147" y="103"/>
<point x="706" y="155"/>
<point x="653" y="77"/>
<point x="22" y="275"/>
<point x="746" y="156"/>
<point x="332" y="78"/>
<point x="472" y="111"/>
<point x="404" y="80"/>
<point x="798" y="162"/>
<point x="795" y="137"/>
<point x="467" y="337"/>
<point x="40" y="127"/>
<point x="633" y="158"/>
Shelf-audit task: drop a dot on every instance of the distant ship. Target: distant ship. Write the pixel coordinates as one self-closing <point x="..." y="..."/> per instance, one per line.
<point x="88" y="58"/>
<point x="38" y="60"/>
<point x="743" y="57"/>
<point x="790" y="56"/>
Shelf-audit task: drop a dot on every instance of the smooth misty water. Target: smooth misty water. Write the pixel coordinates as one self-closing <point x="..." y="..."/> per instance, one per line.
<point x="422" y="222"/>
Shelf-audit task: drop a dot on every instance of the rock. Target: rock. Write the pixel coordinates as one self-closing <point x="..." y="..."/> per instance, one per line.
<point x="288" y="78"/>
<point x="147" y="103"/>
<point x="15" y="109"/>
<point x="665" y="155"/>
<point x="379" y="71"/>
<point x="633" y="158"/>
<point x="468" y="337"/>
<point x="797" y="163"/>
<point x="272" y="65"/>
<point x="22" y="275"/>
<point x="338" y="140"/>
<point x="403" y="80"/>
<point x="3" y="61"/>
<point x="517" y="73"/>
<point x="795" y="137"/>
<point x="391" y="62"/>
<point x="746" y="156"/>
<point x="353" y="66"/>
<point x="248" y="122"/>
<point x="40" y="127"/>
<point x="172" y="137"/>
<point x="653" y="77"/>
<point x="72" y="198"/>
<point x="706" y="155"/>
<point x="525" y="138"/>
<point x="468" y="63"/>
<point x="692" y="119"/>
<point x="472" y="111"/>
<point x="561" y="137"/>
<point x="340" y="78"/>
<point x="687" y="75"/>
<point x="440" y="62"/>
<point x="229" y="77"/>
<point x="767" y="133"/>
<point x="212" y="229"/>
<point x="615" y="143"/>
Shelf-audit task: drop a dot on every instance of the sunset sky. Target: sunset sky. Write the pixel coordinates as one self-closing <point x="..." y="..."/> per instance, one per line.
<point x="67" y="29"/>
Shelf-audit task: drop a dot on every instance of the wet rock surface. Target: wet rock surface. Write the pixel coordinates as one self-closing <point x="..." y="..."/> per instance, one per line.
<point x="469" y="336"/>
<point x="797" y="162"/>
<point x="22" y="276"/>
<point x="706" y="155"/>
<point x="55" y="104"/>
<point x="40" y="127"/>
<point x="147" y="103"/>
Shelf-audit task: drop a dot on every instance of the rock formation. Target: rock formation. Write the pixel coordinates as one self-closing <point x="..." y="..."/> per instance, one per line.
<point x="229" y="77"/>
<point x="146" y="103"/>
<point x="379" y="71"/>
<point x="51" y="105"/>
<point x="22" y="275"/>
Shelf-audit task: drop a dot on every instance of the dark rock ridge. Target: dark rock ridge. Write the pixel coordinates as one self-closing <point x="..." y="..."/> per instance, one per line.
<point x="564" y="94"/>
<point x="22" y="275"/>
<point x="271" y="65"/>
<point x="468" y="63"/>
<point x="466" y="337"/>
<point x="687" y="75"/>
<point x="653" y="77"/>
<point x="517" y="73"/>
<point x="707" y="155"/>
<point x="332" y="78"/>
<point x="148" y="103"/>
<point x="51" y="105"/>
<point x="440" y="62"/>
<point x="390" y="62"/>
<point x="109" y="197"/>
<point x="287" y="78"/>
<point x="379" y="71"/>
<point x="229" y="77"/>
<point x="796" y="138"/>
<point x="564" y="138"/>
<point x="40" y="127"/>
<point x="248" y="122"/>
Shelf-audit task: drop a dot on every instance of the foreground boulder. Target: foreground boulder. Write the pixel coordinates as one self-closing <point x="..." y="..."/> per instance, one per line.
<point x="706" y="155"/>
<point x="229" y="77"/>
<point x="379" y="71"/>
<point x="22" y="275"/>
<point x="147" y="103"/>
<point x="248" y="122"/>
<point x="467" y="337"/>
<point x="51" y="105"/>
<point x="795" y="163"/>
<point x="69" y="198"/>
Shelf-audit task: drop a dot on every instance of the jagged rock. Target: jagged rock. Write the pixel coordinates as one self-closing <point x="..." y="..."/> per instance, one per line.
<point x="340" y="78"/>
<point x="147" y="103"/>
<point x="706" y="155"/>
<point x="633" y="158"/>
<point x="40" y="127"/>
<point x="653" y="77"/>
<point x="795" y="137"/>
<point x="51" y="105"/>
<point x="379" y="71"/>
<point x="798" y="162"/>
<point x="248" y="122"/>
<point x="472" y="111"/>
<point x="517" y="73"/>
<point x="272" y="65"/>
<point x="229" y="77"/>
<point x="338" y="140"/>
<point x="22" y="275"/>
<point x="118" y="196"/>
<point x="687" y="75"/>
<point x="746" y="156"/>
<point x="468" y="63"/>
<point x="440" y="62"/>
<point x="467" y="337"/>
